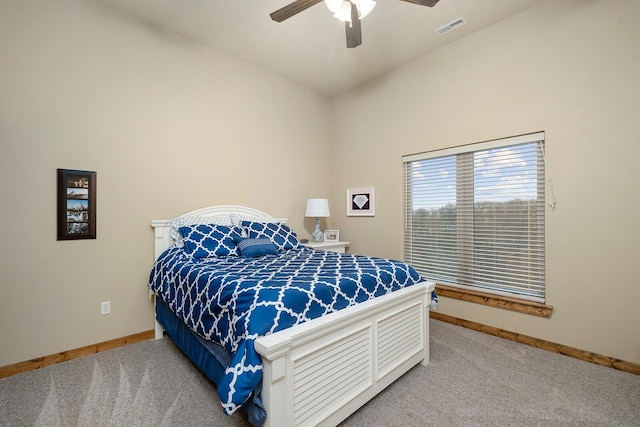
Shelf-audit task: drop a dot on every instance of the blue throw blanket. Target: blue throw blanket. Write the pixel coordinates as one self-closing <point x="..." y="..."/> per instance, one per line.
<point x="233" y="300"/>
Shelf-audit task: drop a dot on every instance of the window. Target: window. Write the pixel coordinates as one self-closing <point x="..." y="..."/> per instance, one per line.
<point x="474" y="216"/>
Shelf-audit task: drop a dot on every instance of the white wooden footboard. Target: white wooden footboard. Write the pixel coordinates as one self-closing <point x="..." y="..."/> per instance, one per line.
<point x="320" y="372"/>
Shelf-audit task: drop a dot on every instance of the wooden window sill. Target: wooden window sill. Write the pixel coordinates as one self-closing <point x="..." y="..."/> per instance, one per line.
<point x="521" y="306"/>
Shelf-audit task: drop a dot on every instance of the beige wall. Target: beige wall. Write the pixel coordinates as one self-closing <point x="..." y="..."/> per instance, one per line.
<point x="570" y="68"/>
<point x="168" y="125"/>
<point x="165" y="121"/>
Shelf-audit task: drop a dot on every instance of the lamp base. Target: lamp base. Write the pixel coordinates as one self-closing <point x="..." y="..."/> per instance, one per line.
<point x="317" y="235"/>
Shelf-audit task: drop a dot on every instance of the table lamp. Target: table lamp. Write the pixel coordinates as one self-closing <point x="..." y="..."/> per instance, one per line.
<point x="317" y="208"/>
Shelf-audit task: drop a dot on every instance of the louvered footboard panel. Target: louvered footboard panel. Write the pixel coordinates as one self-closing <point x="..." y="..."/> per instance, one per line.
<point x="400" y="336"/>
<point x="330" y="376"/>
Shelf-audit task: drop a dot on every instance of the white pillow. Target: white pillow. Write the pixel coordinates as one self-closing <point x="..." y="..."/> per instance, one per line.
<point x="183" y="221"/>
<point x="236" y="219"/>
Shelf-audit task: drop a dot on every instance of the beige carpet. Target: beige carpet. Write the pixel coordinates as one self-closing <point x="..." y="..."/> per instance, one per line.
<point x="473" y="380"/>
<point x="476" y="379"/>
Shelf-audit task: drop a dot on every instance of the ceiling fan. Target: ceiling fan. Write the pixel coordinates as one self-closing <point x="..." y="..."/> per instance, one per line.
<point x="351" y="12"/>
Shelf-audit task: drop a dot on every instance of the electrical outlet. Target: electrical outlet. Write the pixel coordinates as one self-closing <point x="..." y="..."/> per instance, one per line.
<point x="105" y="307"/>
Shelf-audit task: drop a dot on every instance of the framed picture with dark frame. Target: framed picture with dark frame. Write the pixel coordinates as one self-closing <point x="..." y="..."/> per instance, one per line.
<point x="361" y="201"/>
<point x="76" y="204"/>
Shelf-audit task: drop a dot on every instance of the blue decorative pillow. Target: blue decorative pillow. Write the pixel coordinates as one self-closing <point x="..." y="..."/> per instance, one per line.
<point x="281" y="235"/>
<point x="250" y="248"/>
<point x="210" y="240"/>
<point x="185" y="220"/>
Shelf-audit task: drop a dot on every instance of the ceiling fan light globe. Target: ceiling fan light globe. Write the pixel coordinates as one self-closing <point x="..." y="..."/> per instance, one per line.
<point x="344" y="13"/>
<point x="364" y="7"/>
<point x="333" y="5"/>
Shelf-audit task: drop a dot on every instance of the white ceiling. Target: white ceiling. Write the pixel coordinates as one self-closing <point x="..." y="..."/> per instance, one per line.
<point x="310" y="48"/>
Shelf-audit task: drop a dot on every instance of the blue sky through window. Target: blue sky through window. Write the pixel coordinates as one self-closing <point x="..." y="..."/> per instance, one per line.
<point x="500" y="174"/>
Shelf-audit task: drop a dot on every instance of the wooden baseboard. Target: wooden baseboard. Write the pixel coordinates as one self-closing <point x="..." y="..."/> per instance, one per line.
<point x="513" y="304"/>
<point x="632" y="368"/>
<point x="52" y="359"/>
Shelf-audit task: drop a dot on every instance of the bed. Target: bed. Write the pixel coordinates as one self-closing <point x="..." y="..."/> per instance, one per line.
<point x="312" y="369"/>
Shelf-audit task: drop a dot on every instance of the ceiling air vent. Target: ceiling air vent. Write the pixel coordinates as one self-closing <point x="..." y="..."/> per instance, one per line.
<point x="451" y="26"/>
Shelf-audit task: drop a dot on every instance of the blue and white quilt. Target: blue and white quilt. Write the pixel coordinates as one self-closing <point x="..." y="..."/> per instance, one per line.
<point x="234" y="300"/>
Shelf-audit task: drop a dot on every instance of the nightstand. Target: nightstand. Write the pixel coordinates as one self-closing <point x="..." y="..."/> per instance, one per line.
<point x="332" y="246"/>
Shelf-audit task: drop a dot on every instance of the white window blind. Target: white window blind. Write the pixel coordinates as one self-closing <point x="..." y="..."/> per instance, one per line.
<point x="474" y="216"/>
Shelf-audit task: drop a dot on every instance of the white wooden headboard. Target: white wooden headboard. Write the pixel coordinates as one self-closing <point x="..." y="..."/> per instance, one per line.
<point x="161" y="227"/>
<point x="163" y="240"/>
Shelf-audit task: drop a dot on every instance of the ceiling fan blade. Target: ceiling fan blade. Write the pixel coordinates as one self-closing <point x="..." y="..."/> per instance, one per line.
<point x="353" y="28"/>
<point x="292" y="9"/>
<point x="429" y="3"/>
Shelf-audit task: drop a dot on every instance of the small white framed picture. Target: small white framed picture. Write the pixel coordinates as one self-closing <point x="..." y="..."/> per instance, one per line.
<point x="331" y="235"/>
<point x="361" y="201"/>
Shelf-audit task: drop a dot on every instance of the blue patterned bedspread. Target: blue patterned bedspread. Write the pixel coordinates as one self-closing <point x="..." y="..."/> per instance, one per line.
<point x="233" y="301"/>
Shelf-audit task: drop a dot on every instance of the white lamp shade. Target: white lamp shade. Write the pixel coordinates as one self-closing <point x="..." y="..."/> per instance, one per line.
<point x="317" y="208"/>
